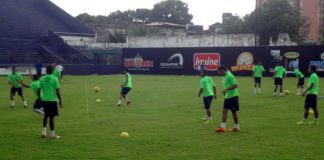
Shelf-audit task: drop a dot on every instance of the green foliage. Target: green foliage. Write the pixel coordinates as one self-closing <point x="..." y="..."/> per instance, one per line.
<point x="234" y="25"/>
<point x="173" y="11"/>
<point x="164" y="122"/>
<point x="275" y="17"/>
<point x="137" y="31"/>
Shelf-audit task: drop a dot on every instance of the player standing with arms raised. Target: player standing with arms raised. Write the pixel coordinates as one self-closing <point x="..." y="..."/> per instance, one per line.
<point x="208" y="89"/>
<point x="231" y="101"/>
<point x="125" y="88"/>
<point x="311" y="97"/>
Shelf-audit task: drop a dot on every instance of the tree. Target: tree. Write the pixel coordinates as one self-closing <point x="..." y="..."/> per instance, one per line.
<point x="233" y="25"/>
<point x="278" y="16"/>
<point x="142" y="15"/>
<point x="86" y="18"/>
<point x="121" y="17"/>
<point x="173" y="11"/>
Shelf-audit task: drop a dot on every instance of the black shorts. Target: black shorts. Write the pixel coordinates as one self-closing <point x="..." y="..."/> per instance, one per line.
<point x="311" y="101"/>
<point x="125" y="90"/>
<point x="50" y="109"/>
<point x="278" y="81"/>
<point x="207" y="101"/>
<point x="232" y="104"/>
<point x="13" y="91"/>
<point x="301" y="82"/>
<point x="37" y="104"/>
<point x="39" y="73"/>
<point x="257" y="80"/>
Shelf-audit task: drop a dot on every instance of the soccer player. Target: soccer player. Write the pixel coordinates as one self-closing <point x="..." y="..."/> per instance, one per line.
<point x="49" y="86"/>
<point x="311" y="97"/>
<point x="126" y="87"/>
<point x="231" y="101"/>
<point x="300" y="83"/>
<point x="257" y="72"/>
<point x="15" y="80"/>
<point x="35" y="85"/>
<point x="38" y="67"/>
<point x="60" y="68"/>
<point x="56" y="72"/>
<point x="208" y="89"/>
<point x="279" y="74"/>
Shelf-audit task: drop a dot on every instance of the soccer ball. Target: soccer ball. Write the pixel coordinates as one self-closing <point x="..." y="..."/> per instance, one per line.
<point x="311" y="111"/>
<point x="98" y="100"/>
<point x="287" y="92"/>
<point x="124" y="134"/>
<point x="96" y="89"/>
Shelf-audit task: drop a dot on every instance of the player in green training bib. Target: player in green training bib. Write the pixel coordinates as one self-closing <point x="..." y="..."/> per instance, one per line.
<point x="15" y="80"/>
<point x="231" y="101"/>
<point x="257" y="73"/>
<point x="279" y="74"/>
<point x="35" y="86"/>
<point x="208" y="90"/>
<point x="125" y="88"/>
<point x="49" y="91"/>
<point x="311" y="94"/>
<point x="301" y="81"/>
<point x="57" y="72"/>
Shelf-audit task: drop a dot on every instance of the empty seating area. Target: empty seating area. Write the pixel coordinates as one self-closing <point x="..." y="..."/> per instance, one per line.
<point x="28" y="32"/>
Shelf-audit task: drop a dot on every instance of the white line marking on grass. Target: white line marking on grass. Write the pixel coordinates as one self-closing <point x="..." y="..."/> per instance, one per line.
<point x="86" y="98"/>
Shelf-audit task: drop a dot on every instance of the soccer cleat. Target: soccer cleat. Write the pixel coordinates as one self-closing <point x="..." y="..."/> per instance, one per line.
<point x="43" y="136"/>
<point x="205" y="119"/>
<point x="220" y="130"/>
<point x="302" y="122"/>
<point x="128" y="103"/>
<point x="208" y="122"/>
<point x="56" y="137"/>
<point x="39" y="111"/>
<point x="313" y="122"/>
<point x="235" y="130"/>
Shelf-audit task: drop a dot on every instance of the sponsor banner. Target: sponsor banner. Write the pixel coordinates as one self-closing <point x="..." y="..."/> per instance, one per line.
<point x="175" y="61"/>
<point x="244" y="62"/>
<point x="241" y="60"/>
<point x="138" y="63"/>
<point x="210" y="60"/>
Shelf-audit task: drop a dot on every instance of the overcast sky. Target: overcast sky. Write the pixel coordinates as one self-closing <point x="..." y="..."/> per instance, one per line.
<point x="205" y="12"/>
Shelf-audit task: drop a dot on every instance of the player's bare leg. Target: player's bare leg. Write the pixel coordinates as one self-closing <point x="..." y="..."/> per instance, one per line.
<point x="12" y="102"/>
<point x="236" y="122"/>
<point x="223" y="124"/>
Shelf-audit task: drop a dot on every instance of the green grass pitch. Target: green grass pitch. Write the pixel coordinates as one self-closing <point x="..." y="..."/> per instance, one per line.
<point x="164" y="122"/>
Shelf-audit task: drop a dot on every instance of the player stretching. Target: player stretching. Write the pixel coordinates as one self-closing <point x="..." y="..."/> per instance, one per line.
<point x="257" y="74"/>
<point x="50" y="88"/>
<point x="15" y="80"/>
<point x="311" y="96"/>
<point x="208" y="89"/>
<point x="279" y="74"/>
<point x="231" y="101"/>
<point x="300" y="83"/>
<point x="126" y="87"/>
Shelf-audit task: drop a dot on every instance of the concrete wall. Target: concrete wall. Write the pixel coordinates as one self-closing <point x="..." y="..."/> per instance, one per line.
<point x="217" y="40"/>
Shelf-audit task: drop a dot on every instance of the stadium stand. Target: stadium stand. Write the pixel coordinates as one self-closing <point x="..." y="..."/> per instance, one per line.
<point x="30" y="30"/>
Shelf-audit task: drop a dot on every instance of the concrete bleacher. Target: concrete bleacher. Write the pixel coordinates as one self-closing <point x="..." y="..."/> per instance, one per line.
<point x="30" y="30"/>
